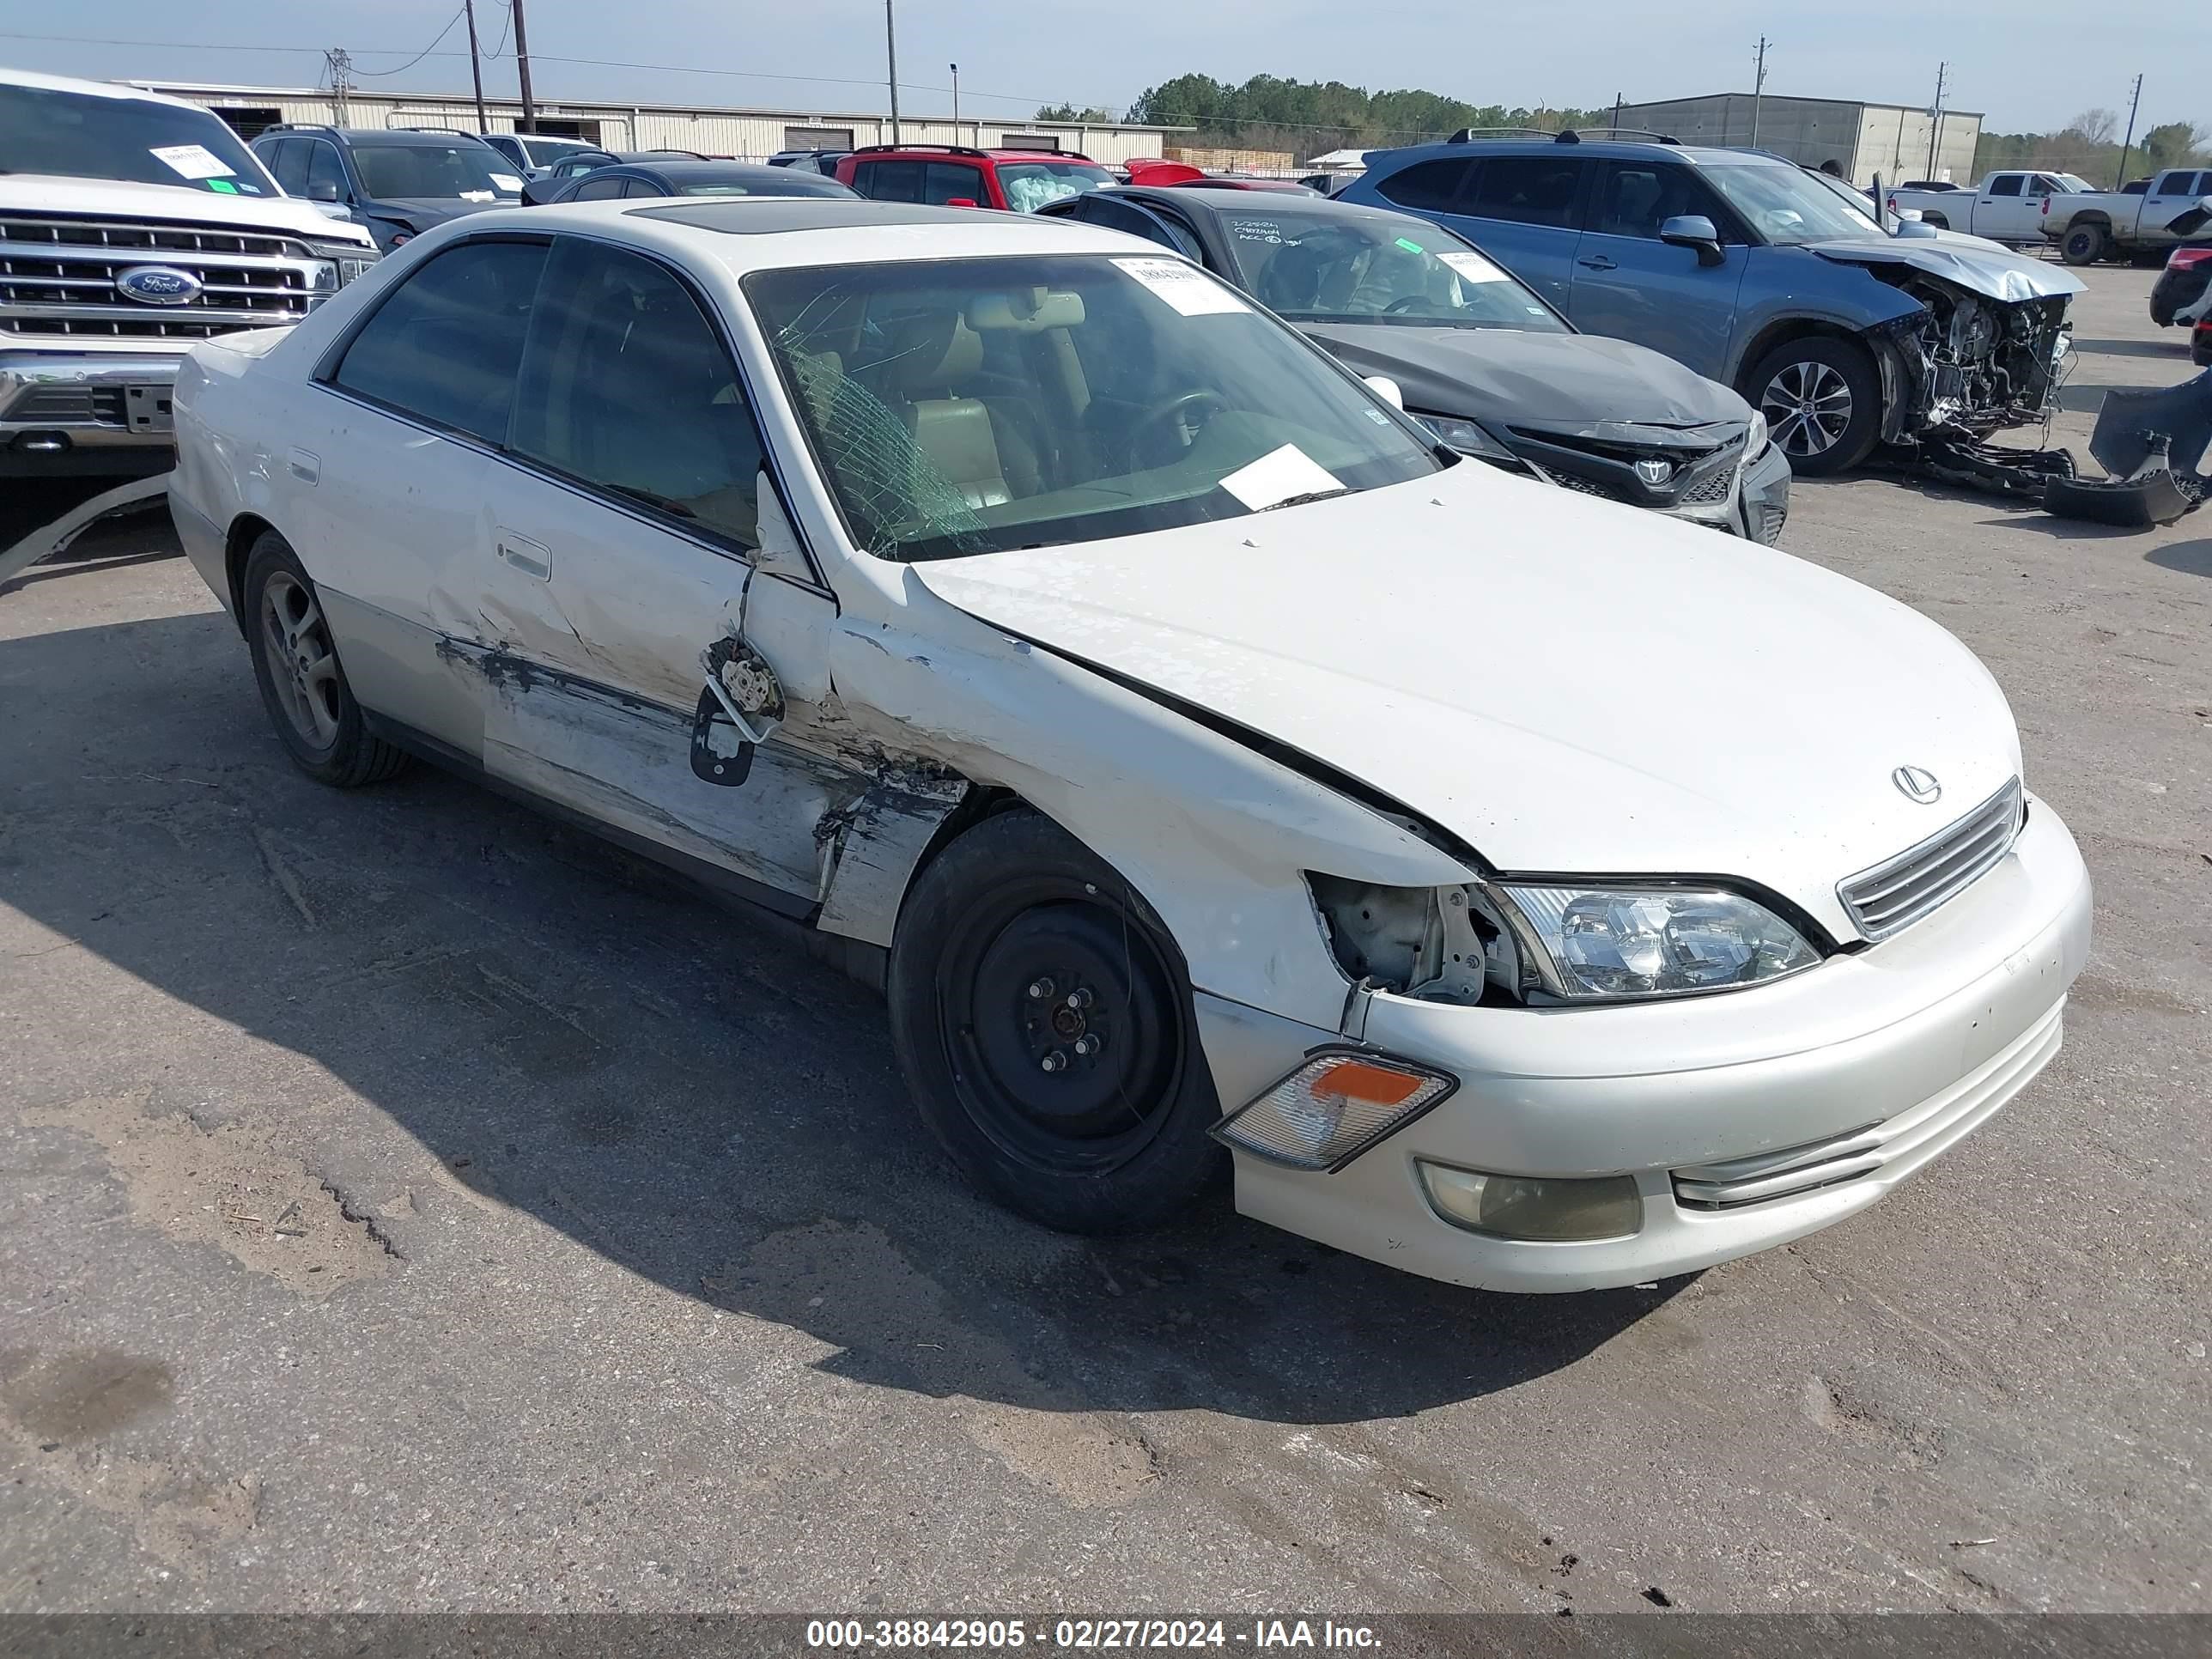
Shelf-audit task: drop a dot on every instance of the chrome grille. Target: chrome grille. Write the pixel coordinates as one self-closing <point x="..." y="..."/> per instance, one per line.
<point x="57" y="278"/>
<point x="1900" y="891"/>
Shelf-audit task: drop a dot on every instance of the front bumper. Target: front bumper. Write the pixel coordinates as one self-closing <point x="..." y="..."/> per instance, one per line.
<point x="73" y="413"/>
<point x="1763" y="505"/>
<point x="1904" y="1047"/>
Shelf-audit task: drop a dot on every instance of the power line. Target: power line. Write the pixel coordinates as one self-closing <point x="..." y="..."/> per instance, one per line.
<point x="426" y="50"/>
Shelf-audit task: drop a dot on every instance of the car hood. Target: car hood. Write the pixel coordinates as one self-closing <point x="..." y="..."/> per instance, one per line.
<point x="1564" y="684"/>
<point x="1581" y="380"/>
<point x="53" y="193"/>
<point x="1998" y="276"/>
<point x="420" y="212"/>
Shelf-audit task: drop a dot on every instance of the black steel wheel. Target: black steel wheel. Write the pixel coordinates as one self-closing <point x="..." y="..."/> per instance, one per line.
<point x="1042" y="1016"/>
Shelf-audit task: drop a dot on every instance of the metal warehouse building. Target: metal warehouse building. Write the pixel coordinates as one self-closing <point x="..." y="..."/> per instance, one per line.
<point x="1864" y="139"/>
<point x="745" y="134"/>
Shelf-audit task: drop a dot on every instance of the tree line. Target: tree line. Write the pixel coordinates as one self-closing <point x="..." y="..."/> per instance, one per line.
<point x="1309" y="117"/>
<point x="2089" y="145"/>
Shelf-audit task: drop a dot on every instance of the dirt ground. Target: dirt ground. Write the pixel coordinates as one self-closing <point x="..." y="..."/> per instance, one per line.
<point x="407" y="1203"/>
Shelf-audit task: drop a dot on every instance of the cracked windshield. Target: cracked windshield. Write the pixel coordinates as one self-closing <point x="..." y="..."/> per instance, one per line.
<point x="1032" y="402"/>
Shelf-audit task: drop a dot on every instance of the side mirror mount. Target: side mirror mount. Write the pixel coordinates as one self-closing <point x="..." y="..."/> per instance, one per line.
<point x="1386" y="389"/>
<point x="1693" y="230"/>
<point x="324" y="191"/>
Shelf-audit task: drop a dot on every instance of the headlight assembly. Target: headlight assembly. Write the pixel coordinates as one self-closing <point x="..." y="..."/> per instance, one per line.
<point x="1755" y="437"/>
<point x="1469" y="439"/>
<point x="1589" y="943"/>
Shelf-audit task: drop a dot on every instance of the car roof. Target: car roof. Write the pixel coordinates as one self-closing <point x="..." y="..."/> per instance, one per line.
<point x="382" y="134"/>
<point x="685" y="167"/>
<point x="1259" y="203"/>
<point x="752" y="232"/>
<point x="1615" y="149"/>
<point x="31" y="78"/>
<point x="938" y="152"/>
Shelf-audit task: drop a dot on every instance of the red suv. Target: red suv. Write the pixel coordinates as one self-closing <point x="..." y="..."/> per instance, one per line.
<point x="953" y="175"/>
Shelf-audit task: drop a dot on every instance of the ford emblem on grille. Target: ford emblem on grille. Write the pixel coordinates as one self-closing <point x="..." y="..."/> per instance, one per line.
<point x="1916" y="784"/>
<point x="158" y="285"/>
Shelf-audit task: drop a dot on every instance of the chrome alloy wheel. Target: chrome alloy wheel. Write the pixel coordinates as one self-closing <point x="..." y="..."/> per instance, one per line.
<point x="1808" y="407"/>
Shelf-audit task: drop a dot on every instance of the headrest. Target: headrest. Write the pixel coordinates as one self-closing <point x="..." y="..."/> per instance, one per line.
<point x="928" y="356"/>
<point x="1030" y="310"/>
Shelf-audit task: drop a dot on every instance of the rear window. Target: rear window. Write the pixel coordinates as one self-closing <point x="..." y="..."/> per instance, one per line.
<point x="1427" y="187"/>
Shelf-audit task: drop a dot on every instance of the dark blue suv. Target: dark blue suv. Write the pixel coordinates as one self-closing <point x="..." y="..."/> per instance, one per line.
<point x="1756" y="274"/>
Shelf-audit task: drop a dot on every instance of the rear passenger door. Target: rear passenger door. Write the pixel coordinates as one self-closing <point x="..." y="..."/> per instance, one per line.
<point x="2005" y="209"/>
<point x="1630" y="284"/>
<point x="383" y="477"/>
<point x="945" y="182"/>
<point x="633" y="526"/>
<point x="1525" y="211"/>
<point x="2171" y="194"/>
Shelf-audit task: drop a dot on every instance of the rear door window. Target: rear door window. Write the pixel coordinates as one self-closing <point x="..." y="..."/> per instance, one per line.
<point x="889" y="181"/>
<point x="1528" y="190"/>
<point x="599" y="190"/>
<point x="1428" y="186"/>
<point x="1113" y="214"/>
<point x="287" y="159"/>
<point x="2177" y="184"/>
<point x="2005" y="183"/>
<point x="444" y="344"/>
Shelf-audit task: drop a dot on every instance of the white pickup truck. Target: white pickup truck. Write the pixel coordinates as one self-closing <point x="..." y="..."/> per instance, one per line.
<point x="2091" y="225"/>
<point x="132" y="227"/>
<point x="2006" y="206"/>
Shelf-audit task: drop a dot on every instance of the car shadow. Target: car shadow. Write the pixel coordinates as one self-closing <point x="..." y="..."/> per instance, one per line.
<point x="672" y="1082"/>
<point x="2190" y="558"/>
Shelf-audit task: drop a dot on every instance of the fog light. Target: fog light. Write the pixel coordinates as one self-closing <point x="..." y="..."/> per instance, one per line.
<point x="1539" y="1207"/>
<point x="1331" y="1109"/>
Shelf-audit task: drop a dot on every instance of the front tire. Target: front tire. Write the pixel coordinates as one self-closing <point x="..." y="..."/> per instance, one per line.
<point x="1042" y="1014"/>
<point x="2084" y="245"/>
<point x="295" y="664"/>
<point x="1822" y="400"/>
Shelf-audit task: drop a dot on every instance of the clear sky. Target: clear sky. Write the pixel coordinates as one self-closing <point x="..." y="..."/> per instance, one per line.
<point x="2027" y="64"/>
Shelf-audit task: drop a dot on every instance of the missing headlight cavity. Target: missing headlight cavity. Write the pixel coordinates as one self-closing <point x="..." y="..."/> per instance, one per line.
<point x="1444" y="945"/>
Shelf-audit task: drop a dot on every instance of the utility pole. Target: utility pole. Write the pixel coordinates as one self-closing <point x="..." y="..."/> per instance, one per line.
<point x="529" y="121"/>
<point x="2128" y="142"/>
<point x="1758" y="89"/>
<point x="1935" y="116"/>
<point x="1618" y="99"/>
<point x="476" y="66"/>
<point x="891" y="64"/>
<point x="955" y="68"/>
<point x="339" y="62"/>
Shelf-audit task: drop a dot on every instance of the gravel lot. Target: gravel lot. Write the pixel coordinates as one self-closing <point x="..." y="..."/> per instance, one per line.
<point x="410" y="1204"/>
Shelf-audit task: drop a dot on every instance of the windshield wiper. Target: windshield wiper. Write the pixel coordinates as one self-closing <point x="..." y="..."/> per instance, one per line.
<point x="667" y="504"/>
<point x="1308" y="495"/>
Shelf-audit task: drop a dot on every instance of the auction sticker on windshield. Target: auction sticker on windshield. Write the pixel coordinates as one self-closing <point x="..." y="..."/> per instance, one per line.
<point x="507" y="181"/>
<point x="1189" y="290"/>
<point x="1277" y="476"/>
<point x="1472" y="267"/>
<point x="191" y="161"/>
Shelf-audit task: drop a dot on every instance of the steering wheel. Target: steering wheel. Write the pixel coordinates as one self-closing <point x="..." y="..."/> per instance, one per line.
<point x="1167" y="409"/>
<point x="1403" y="303"/>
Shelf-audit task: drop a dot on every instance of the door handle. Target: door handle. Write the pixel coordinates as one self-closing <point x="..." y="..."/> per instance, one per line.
<point x="306" y="466"/>
<point x="527" y="556"/>
<point x="1600" y="263"/>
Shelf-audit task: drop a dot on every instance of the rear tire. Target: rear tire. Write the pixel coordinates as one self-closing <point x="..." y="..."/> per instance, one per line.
<point x="1822" y="400"/>
<point x="295" y="664"/>
<point x="2084" y="245"/>
<point x="1042" y="1014"/>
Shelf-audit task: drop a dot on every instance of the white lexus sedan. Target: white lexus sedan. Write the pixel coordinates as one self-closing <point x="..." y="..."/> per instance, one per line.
<point x="1513" y="887"/>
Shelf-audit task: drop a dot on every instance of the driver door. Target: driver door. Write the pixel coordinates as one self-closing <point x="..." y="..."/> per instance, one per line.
<point x="1630" y="284"/>
<point x="633" y="528"/>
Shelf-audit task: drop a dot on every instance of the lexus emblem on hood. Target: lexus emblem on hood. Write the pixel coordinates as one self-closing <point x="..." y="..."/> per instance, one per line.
<point x="1917" y="784"/>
